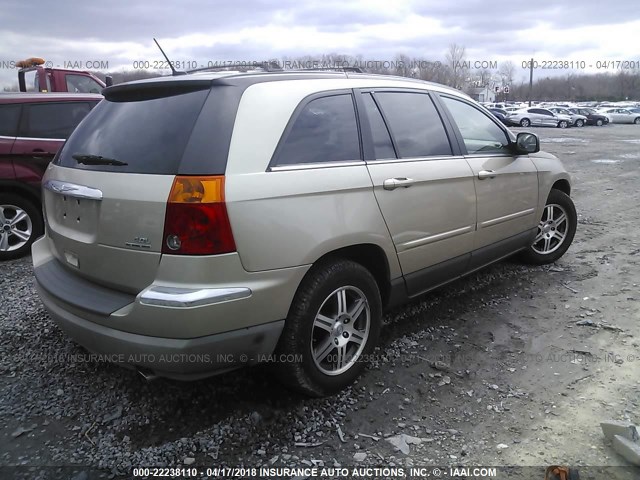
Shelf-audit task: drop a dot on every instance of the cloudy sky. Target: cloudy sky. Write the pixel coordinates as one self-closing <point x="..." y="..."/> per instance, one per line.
<point x="120" y="32"/>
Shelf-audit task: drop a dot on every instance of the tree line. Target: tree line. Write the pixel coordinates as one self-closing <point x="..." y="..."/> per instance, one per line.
<point x="454" y="70"/>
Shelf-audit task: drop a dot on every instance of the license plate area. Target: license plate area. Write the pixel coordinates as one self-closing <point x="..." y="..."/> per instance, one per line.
<point x="72" y="217"/>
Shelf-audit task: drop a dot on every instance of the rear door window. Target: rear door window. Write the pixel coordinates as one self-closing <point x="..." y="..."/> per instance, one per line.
<point x="415" y="124"/>
<point x="325" y="130"/>
<point x="9" y="116"/>
<point x="52" y="120"/>
<point x="148" y="133"/>
<point x="382" y="145"/>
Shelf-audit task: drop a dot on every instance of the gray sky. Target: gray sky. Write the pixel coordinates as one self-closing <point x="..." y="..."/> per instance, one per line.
<point x="120" y="32"/>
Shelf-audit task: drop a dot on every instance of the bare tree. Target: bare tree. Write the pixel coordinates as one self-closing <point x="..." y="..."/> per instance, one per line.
<point x="507" y="71"/>
<point x="455" y="60"/>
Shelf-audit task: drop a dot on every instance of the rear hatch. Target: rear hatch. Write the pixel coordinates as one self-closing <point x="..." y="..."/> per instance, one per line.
<point x="105" y="194"/>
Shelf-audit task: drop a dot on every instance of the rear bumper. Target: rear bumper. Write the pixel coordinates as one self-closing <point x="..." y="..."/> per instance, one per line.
<point x="181" y="359"/>
<point x="199" y="317"/>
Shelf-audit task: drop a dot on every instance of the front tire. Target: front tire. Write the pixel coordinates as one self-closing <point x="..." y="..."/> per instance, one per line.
<point x="556" y="230"/>
<point x="579" y="123"/>
<point x="637" y="121"/>
<point x="20" y="225"/>
<point x="599" y="122"/>
<point x="525" y="122"/>
<point x="332" y="326"/>
<point x="562" y="124"/>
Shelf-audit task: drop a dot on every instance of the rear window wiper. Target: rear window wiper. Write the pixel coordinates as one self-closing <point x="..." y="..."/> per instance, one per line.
<point x="96" y="160"/>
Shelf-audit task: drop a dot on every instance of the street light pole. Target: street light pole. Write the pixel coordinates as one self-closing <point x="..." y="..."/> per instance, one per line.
<point x="530" y="80"/>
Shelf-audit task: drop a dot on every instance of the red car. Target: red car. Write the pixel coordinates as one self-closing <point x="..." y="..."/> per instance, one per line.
<point x="33" y="127"/>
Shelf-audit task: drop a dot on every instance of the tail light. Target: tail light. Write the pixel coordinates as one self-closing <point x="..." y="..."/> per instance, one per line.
<point x="196" y="221"/>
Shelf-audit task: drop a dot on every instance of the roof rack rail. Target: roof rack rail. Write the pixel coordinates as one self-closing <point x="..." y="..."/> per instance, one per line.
<point x="328" y="69"/>
<point x="271" y="66"/>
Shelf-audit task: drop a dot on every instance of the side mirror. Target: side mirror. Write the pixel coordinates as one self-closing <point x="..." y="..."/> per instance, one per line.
<point x="527" y="143"/>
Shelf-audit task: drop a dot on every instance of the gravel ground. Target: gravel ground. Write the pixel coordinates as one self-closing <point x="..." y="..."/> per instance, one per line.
<point x="511" y="366"/>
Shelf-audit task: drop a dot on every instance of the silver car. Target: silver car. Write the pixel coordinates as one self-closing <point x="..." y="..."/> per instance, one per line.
<point x="538" y="117"/>
<point x="621" y="115"/>
<point x="199" y="223"/>
<point x="577" y="120"/>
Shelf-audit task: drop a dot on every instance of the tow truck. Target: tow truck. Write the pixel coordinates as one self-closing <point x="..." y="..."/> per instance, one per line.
<point x="35" y="76"/>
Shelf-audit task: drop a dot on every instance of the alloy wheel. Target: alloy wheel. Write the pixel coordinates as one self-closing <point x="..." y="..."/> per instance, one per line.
<point x="16" y="228"/>
<point x="552" y="230"/>
<point x="340" y="330"/>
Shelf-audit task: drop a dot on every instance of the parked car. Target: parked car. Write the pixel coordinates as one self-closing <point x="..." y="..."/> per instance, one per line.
<point x="500" y="114"/>
<point x="621" y="115"/>
<point x="577" y="120"/>
<point x="540" y="117"/>
<point x="202" y="222"/>
<point x="32" y="129"/>
<point x="593" y="118"/>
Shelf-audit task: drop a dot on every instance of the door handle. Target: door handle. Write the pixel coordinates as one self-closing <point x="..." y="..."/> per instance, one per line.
<point x="39" y="153"/>
<point x="393" y="183"/>
<point x="484" y="174"/>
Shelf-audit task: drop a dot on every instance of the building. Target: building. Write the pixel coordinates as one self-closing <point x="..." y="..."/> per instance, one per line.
<point x="482" y="94"/>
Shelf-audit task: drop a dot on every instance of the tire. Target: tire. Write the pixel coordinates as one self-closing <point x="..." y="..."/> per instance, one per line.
<point x="316" y="322"/>
<point x="580" y="123"/>
<point x="547" y="246"/>
<point x="16" y="237"/>
<point x="525" y="122"/>
<point x="599" y="122"/>
<point x="637" y="121"/>
<point x="563" y="124"/>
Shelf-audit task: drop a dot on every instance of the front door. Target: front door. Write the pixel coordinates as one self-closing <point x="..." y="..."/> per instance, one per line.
<point x="506" y="184"/>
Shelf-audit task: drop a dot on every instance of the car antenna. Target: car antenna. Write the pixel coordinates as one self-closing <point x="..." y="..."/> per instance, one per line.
<point x="174" y="72"/>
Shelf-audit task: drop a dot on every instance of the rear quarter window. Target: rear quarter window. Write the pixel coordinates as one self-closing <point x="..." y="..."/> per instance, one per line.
<point x="324" y="130"/>
<point x="9" y="117"/>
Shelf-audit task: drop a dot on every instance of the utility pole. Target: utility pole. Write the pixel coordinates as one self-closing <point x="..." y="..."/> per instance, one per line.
<point x="530" y="80"/>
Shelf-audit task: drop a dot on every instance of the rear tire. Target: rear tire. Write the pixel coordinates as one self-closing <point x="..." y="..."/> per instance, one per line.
<point x="556" y="230"/>
<point x="562" y="124"/>
<point x="579" y="123"/>
<point x="525" y="122"/>
<point x="20" y="225"/>
<point x="332" y="327"/>
<point x="637" y="121"/>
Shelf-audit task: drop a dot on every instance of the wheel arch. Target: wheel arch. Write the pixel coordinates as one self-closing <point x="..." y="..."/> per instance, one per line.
<point x="22" y="190"/>
<point x="563" y="185"/>
<point x="370" y="256"/>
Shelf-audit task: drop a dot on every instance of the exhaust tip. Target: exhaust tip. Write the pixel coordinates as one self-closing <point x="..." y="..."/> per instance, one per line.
<point x="146" y="373"/>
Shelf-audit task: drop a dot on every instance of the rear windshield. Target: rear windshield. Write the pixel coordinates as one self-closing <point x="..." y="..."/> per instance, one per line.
<point x="149" y="135"/>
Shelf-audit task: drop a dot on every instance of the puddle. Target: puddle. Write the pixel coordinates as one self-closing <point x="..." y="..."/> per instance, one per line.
<point x="606" y="161"/>
<point x="563" y="140"/>
<point x="630" y="155"/>
<point x="636" y="140"/>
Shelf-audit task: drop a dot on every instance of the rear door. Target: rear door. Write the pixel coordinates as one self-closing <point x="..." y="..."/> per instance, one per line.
<point x="624" y="116"/>
<point x="506" y="186"/>
<point x="43" y="129"/>
<point x="535" y="116"/>
<point x="106" y="221"/>
<point x="423" y="186"/>
<point x="9" y="118"/>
